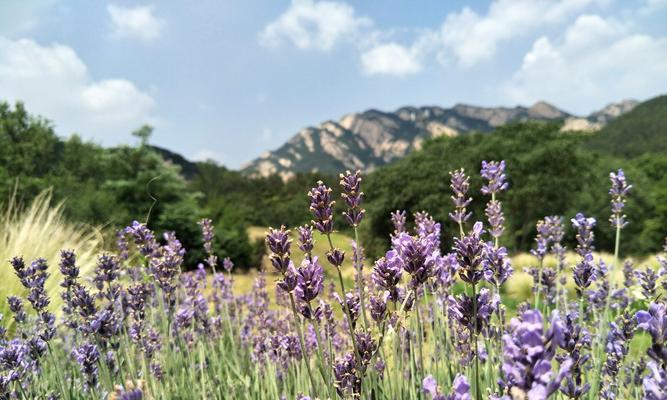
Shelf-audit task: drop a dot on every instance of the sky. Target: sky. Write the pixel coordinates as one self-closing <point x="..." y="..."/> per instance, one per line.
<point x="230" y="79"/>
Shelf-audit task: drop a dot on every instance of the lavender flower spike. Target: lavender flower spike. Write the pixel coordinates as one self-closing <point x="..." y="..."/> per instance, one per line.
<point x="494" y="173"/>
<point x="528" y="352"/>
<point x="460" y="186"/>
<point x="398" y="220"/>
<point x="460" y="388"/>
<point x="352" y="195"/>
<point x="619" y="193"/>
<point x="321" y="206"/>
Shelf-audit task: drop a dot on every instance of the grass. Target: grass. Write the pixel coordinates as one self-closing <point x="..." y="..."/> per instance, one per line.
<point x="41" y="230"/>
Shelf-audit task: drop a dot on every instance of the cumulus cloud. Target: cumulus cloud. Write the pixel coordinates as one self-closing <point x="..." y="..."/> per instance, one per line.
<point x="390" y="59"/>
<point x="135" y="22"/>
<point x="473" y="38"/>
<point x="55" y="83"/>
<point x="595" y="60"/>
<point x="313" y="25"/>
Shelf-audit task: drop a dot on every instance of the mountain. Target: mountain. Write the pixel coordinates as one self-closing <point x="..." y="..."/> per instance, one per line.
<point x="374" y="138"/>
<point x="640" y="131"/>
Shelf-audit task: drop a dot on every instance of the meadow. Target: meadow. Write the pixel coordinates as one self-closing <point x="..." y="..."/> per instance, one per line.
<point x="319" y="319"/>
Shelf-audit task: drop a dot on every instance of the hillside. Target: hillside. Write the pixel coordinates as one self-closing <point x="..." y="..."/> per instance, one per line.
<point x="374" y="138"/>
<point x="640" y="131"/>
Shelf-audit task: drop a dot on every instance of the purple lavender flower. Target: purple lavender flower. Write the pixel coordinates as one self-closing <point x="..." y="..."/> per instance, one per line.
<point x="121" y="245"/>
<point x="352" y="195"/>
<point x="427" y="228"/>
<point x="460" y="388"/>
<point x="648" y="280"/>
<point x="585" y="236"/>
<point x="655" y="384"/>
<point x="576" y="342"/>
<point x="445" y="272"/>
<point x="494" y="214"/>
<point x="398" y="220"/>
<point x="107" y="271"/>
<point x="68" y="268"/>
<point x="418" y="257"/>
<point x="346" y="379"/>
<point x="279" y="243"/>
<point x="462" y="311"/>
<point x="207" y="235"/>
<point x="227" y="264"/>
<point x="321" y="206"/>
<point x="16" y="307"/>
<point x="378" y="306"/>
<point x="143" y="238"/>
<point x="654" y="321"/>
<point x="494" y="173"/>
<point x="336" y="257"/>
<point x="470" y="255"/>
<point x="306" y="241"/>
<point x="387" y="273"/>
<point x="497" y="265"/>
<point x="460" y="186"/>
<point x="619" y="192"/>
<point x="87" y="356"/>
<point x="350" y="305"/>
<point x="366" y="347"/>
<point x="528" y="351"/>
<point x="310" y="280"/>
<point x="628" y="274"/>
<point x="584" y="273"/>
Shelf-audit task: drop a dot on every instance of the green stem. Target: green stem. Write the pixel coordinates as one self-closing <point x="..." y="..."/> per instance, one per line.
<point x="360" y="280"/>
<point x="478" y="393"/>
<point x="297" y="322"/>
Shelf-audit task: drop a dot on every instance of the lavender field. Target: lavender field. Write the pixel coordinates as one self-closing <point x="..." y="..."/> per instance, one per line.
<point x="422" y="322"/>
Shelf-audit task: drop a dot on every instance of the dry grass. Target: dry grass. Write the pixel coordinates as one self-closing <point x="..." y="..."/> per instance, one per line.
<point x="40" y="230"/>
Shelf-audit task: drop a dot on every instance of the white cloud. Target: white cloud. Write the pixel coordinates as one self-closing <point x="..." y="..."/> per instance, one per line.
<point x="390" y="59"/>
<point x="55" y="83"/>
<point x="135" y="22"/>
<point x="474" y="38"/>
<point x="313" y="25"/>
<point x="595" y="60"/>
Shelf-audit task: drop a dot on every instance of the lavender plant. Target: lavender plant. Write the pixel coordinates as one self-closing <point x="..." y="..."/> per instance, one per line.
<point x="423" y="321"/>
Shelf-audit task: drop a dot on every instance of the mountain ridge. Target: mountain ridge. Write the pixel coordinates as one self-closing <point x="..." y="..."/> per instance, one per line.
<point x="373" y="138"/>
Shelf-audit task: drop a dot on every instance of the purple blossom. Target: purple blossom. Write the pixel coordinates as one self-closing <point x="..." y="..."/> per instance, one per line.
<point x="279" y="244"/>
<point x="387" y="273"/>
<point x="577" y="343"/>
<point x="352" y="195"/>
<point x="459" y="184"/>
<point x="418" y="257"/>
<point x="584" y="273"/>
<point x="619" y="192"/>
<point x="654" y="321"/>
<point x="460" y="388"/>
<point x="87" y="356"/>
<point x="648" y="280"/>
<point x="207" y="235"/>
<point x="528" y="351"/>
<point x="494" y="214"/>
<point x="378" y="306"/>
<point x="470" y="255"/>
<point x="398" y="220"/>
<point x="310" y="280"/>
<point x="143" y="238"/>
<point x="321" y="206"/>
<point x="227" y="264"/>
<point x="306" y="241"/>
<point x="497" y="264"/>
<point x="494" y="173"/>
<point x="585" y="236"/>
<point x="462" y="310"/>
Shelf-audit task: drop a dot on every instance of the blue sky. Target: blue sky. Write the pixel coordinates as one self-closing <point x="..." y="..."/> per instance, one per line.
<point x="230" y="79"/>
